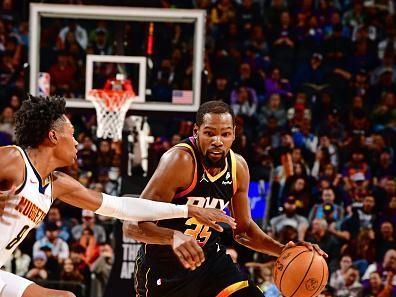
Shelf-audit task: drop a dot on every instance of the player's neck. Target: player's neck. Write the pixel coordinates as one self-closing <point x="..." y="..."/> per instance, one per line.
<point x="42" y="160"/>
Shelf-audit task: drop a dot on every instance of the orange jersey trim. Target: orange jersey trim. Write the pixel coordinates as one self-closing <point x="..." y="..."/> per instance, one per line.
<point x="195" y="178"/>
<point x="234" y="173"/>
<point x="233" y="288"/>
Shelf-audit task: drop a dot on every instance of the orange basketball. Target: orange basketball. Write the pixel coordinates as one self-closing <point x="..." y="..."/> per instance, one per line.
<point x="299" y="272"/>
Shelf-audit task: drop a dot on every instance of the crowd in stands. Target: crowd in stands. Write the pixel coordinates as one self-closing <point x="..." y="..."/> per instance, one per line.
<point x="313" y="86"/>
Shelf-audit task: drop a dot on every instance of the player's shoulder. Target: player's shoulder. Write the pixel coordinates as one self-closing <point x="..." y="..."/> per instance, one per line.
<point x="179" y="155"/>
<point x="10" y="155"/>
<point x="12" y="164"/>
<point x="241" y="162"/>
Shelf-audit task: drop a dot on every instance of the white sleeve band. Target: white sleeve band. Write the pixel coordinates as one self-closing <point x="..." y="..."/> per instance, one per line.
<point x="137" y="209"/>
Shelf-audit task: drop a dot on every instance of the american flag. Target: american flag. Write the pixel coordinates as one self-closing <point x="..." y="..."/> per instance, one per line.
<point x="182" y="97"/>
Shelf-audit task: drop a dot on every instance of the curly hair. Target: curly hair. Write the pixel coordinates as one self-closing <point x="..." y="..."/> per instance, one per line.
<point x="36" y="118"/>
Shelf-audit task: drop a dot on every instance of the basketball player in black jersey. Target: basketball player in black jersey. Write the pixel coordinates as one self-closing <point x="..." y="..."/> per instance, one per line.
<point x="201" y="170"/>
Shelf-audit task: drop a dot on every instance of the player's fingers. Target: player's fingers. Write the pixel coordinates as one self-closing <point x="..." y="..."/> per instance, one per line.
<point x="319" y="250"/>
<point x="215" y="226"/>
<point x="290" y="244"/>
<point x="197" y="252"/>
<point x="187" y="256"/>
<point x="194" y="255"/>
<point x="220" y="216"/>
<point x="181" y="259"/>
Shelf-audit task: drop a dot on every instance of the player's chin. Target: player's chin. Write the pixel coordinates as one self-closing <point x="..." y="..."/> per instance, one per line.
<point x="215" y="157"/>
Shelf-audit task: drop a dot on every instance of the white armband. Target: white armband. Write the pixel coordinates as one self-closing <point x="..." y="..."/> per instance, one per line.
<point x="138" y="209"/>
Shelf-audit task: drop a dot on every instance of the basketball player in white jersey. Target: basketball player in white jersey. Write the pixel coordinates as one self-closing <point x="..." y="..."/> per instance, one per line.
<point x="29" y="185"/>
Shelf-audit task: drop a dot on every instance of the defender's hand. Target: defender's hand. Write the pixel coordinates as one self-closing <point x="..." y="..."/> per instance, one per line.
<point x="209" y="217"/>
<point x="309" y="245"/>
<point x="7" y="203"/>
<point x="188" y="251"/>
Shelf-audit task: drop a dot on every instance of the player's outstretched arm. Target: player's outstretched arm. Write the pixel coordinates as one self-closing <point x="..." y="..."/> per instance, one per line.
<point x="72" y="192"/>
<point x="247" y="232"/>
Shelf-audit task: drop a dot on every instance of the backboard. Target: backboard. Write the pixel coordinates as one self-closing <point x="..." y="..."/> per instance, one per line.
<point x="160" y="50"/>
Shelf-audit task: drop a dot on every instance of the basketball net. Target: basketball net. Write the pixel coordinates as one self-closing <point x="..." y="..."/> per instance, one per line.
<point x="111" y="104"/>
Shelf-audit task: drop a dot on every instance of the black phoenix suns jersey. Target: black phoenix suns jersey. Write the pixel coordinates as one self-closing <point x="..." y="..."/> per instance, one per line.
<point x="205" y="191"/>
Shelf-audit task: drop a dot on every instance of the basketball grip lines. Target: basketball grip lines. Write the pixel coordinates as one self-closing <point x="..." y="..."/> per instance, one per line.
<point x="285" y="269"/>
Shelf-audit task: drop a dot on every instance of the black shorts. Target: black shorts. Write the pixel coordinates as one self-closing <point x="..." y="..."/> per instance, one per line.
<point x="217" y="274"/>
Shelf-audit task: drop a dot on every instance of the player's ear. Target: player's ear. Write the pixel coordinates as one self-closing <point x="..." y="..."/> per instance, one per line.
<point x="195" y="131"/>
<point x="233" y="138"/>
<point x="53" y="137"/>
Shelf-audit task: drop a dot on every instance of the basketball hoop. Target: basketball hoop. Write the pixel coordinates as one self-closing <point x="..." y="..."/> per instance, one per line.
<point x="111" y="107"/>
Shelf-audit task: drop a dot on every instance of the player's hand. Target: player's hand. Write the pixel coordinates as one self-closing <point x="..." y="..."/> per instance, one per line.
<point x="209" y="217"/>
<point x="186" y="248"/>
<point x="309" y="245"/>
<point x="7" y="203"/>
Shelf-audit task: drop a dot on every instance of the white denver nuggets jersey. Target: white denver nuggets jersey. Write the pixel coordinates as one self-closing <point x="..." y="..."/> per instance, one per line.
<point x="33" y="202"/>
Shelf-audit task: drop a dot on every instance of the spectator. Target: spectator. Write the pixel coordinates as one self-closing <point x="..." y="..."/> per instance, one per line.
<point x="311" y="75"/>
<point x="88" y="241"/>
<point x="327" y="210"/>
<point x="276" y="84"/>
<point x="377" y="288"/>
<point x="362" y="218"/>
<point x="389" y="212"/>
<point x="70" y="272"/>
<point x="79" y="32"/>
<point x="300" y="190"/>
<point x="7" y="126"/>
<point x="100" y="43"/>
<point x="245" y="104"/>
<point x="105" y="155"/>
<point x="101" y="269"/>
<point x="54" y="217"/>
<point x="385" y="166"/>
<point x="38" y="272"/>
<point x="283" y="45"/>
<point x="289" y="218"/>
<point x="272" y="109"/>
<point x="63" y="75"/>
<point x="385" y="239"/>
<point x="59" y="248"/>
<point x="87" y="155"/>
<point x="248" y="79"/>
<point x="219" y="89"/>
<point x="350" y="287"/>
<point x="77" y="255"/>
<point x="319" y="234"/>
<point x="248" y="14"/>
<point x="337" y="277"/>
<point x="387" y="266"/>
<point x="18" y="263"/>
<point x="384" y="113"/>
<point x="333" y="127"/>
<point x="88" y="221"/>
<point x="356" y="169"/>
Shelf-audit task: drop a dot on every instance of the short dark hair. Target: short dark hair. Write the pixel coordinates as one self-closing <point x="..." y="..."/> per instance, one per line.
<point x="36" y="118"/>
<point x="216" y="107"/>
<point x="51" y="227"/>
